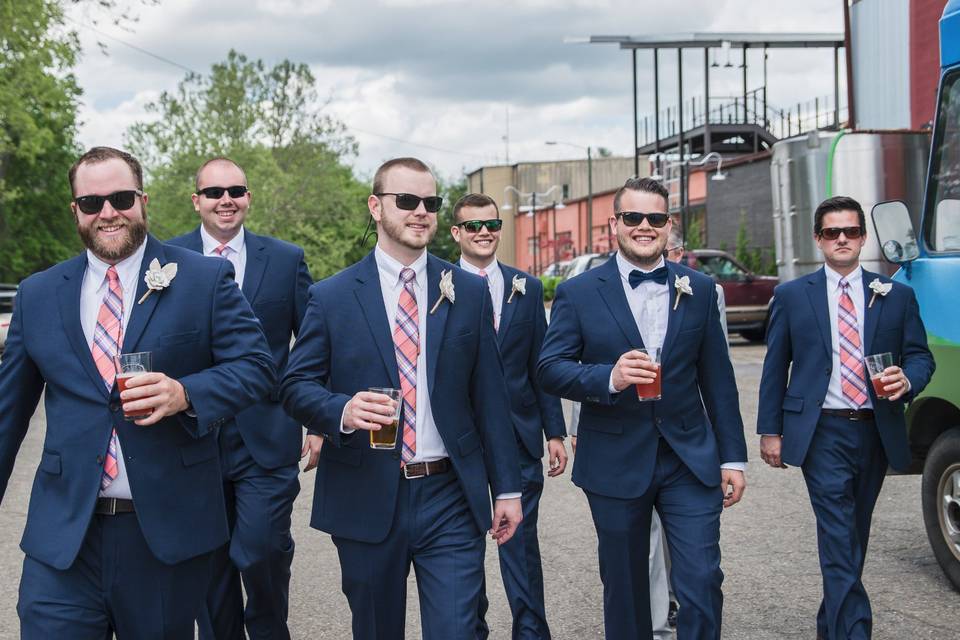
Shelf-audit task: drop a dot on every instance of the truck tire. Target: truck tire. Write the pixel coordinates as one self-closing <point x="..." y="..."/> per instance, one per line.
<point x="754" y="335"/>
<point x="940" y="493"/>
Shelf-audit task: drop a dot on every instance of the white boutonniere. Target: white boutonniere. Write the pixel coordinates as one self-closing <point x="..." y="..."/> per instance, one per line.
<point x="682" y="285"/>
<point x="518" y="284"/>
<point x="158" y="278"/>
<point x="446" y="289"/>
<point x="879" y="289"/>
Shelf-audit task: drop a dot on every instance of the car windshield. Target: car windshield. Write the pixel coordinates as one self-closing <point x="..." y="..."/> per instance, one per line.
<point x="721" y="268"/>
<point x="943" y="222"/>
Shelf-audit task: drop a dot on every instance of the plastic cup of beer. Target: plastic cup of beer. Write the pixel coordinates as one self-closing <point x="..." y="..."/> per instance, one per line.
<point x="386" y="437"/>
<point x="130" y="365"/>
<point x="650" y="390"/>
<point x="876" y="364"/>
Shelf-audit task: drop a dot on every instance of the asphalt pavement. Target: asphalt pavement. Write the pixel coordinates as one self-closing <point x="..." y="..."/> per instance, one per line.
<point x="772" y="586"/>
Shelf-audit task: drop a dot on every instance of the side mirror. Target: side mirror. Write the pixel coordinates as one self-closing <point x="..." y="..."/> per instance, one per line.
<point x="891" y="221"/>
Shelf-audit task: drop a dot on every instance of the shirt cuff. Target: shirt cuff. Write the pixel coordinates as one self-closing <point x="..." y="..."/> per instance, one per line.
<point x="343" y="429"/>
<point x="510" y="496"/>
<point x="612" y="389"/>
<point x="735" y="466"/>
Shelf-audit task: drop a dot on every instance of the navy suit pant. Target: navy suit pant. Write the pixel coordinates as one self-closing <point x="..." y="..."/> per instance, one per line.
<point x="844" y="471"/>
<point x="115" y="586"/>
<point x="690" y="515"/>
<point x="259" y="506"/>
<point x="434" y="529"/>
<point x="520" y="564"/>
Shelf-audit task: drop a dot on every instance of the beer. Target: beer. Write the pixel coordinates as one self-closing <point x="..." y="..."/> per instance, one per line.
<point x="386" y="437"/>
<point x="876" y="365"/>
<point x="122" y="385"/>
<point x="650" y="390"/>
<point x="878" y="387"/>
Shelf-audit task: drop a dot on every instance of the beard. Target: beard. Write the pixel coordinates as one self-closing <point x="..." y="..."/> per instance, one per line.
<point x="115" y="250"/>
<point x="395" y="230"/>
<point x="648" y="255"/>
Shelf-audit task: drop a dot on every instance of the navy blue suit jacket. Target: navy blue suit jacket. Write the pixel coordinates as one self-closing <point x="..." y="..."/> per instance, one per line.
<point x="591" y="326"/>
<point x="201" y="332"/>
<point x="346" y="346"/>
<point x="799" y="360"/>
<point x="523" y="323"/>
<point x="275" y="284"/>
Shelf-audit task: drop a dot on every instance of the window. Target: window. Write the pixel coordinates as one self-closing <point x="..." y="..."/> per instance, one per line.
<point x="722" y="268"/>
<point x="942" y="220"/>
<point x="566" y="192"/>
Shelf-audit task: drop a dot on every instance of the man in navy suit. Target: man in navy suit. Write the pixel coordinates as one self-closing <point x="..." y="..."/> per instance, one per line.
<point x="403" y="319"/>
<point x="684" y="454"/>
<point x="521" y="323"/>
<point x="124" y="516"/>
<point x="818" y="410"/>
<point x="259" y="457"/>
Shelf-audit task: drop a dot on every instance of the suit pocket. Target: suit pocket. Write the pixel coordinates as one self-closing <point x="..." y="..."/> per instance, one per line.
<point x="201" y="451"/>
<point x="468" y="443"/>
<point x="456" y="341"/>
<point x="50" y="463"/>
<point x="270" y="303"/>
<point x="793" y="404"/>
<point x="344" y="455"/>
<point x="177" y="338"/>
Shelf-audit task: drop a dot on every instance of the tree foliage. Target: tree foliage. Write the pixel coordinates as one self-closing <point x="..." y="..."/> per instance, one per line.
<point x="443" y="245"/>
<point x="270" y="121"/>
<point x="37" y="137"/>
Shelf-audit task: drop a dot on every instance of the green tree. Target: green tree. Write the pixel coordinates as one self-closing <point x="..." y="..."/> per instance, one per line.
<point x="37" y="137"/>
<point x="294" y="155"/>
<point x="443" y="245"/>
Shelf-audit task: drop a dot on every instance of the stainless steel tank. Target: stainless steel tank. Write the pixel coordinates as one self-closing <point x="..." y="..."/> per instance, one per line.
<point x="869" y="166"/>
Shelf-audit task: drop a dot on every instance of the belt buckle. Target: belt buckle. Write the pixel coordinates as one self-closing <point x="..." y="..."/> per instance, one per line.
<point x="406" y="472"/>
<point x="111" y="507"/>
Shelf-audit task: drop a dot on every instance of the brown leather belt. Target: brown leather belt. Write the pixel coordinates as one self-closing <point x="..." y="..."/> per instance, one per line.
<point x="413" y="470"/>
<point x="849" y="414"/>
<point x="112" y="506"/>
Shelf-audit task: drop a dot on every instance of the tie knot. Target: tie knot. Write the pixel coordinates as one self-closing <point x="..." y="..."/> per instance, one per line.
<point x="112" y="277"/>
<point x="222" y="250"/>
<point x="844" y="285"/>
<point x="483" y="273"/>
<point x="407" y="275"/>
<point x="657" y="275"/>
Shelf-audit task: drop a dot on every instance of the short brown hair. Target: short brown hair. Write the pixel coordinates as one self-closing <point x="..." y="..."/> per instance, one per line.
<point x="219" y="159"/>
<point x="102" y="154"/>
<point x="474" y="200"/>
<point x="837" y="204"/>
<point x="407" y="163"/>
<point x="646" y="185"/>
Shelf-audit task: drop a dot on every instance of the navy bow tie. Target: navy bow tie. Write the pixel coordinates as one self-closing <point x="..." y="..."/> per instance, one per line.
<point x="657" y="275"/>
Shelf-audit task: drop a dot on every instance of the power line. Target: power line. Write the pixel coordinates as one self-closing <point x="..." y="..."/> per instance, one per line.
<point x="132" y="46"/>
<point x="417" y="144"/>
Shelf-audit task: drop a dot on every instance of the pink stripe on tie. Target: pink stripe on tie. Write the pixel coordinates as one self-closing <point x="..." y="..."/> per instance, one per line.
<point x="406" y="342"/>
<point x="852" y="381"/>
<point x="107" y="342"/>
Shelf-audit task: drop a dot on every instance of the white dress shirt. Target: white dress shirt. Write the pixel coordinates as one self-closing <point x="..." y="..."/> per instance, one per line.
<point x="236" y="254"/>
<point x="835" y="398"/>
<point x="650" y="307"/>
<point x="494" y="283"/>
<point x="92" y="291"/>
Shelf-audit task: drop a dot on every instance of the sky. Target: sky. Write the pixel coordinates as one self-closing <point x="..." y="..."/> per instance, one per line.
<point x="458" y="83"/>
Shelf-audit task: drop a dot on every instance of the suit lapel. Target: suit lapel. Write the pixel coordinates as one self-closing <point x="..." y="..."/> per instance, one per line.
<point x="506" y="310"/>
<point x="436" y="321"/>
<point x="140" y="314"/>
<point x="817" y="293"/>
<point x="257" y="260"/>
<point x="872" y="313"/>
<point x="370" y="296"/>
<point x="611" y="290"/>
<point x="194" y="241"/>
<point x="674" y="316"/>
<point x="68" y="297"/>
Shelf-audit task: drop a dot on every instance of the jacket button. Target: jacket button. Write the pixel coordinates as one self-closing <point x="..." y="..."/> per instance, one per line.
<point x="828" y="370"/>
<point x="396" y="456"/>
<point x="114" y="406"/>
<point x="99" y="460"/>
<point x="659" y="420"/>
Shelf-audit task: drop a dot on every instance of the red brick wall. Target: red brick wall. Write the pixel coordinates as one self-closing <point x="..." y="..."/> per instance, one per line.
<point x="924" y="59"/>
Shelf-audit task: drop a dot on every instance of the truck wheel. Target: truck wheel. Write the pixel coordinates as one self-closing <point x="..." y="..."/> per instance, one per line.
<point x="754" y="335"/>
<point x="940" y="491"/>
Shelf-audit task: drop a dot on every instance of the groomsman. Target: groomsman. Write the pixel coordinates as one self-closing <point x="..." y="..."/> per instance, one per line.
<point x="818" y="411"/>
<point x="258" y="455"/>
<point x="406" y="320"/>
<point x="684" y="454"/>
<point x="124" y="516"/>
<point x="520" y="321"/>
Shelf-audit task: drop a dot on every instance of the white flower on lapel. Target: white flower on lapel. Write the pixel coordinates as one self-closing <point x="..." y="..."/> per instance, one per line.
<point x="158" y="278"/>
<point x="447" y="291"/>
<point x="682" y="285"/>
<point x="879" y="289"/>
<point x="518" y="284"/>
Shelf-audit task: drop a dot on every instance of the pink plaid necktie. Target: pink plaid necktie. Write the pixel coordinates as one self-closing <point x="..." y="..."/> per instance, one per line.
<point x="852" y="382"/>
<point x="222" y="250"/>
<point x="496" y="323"/>
<point x="107" y="342"/>
<point x="406" y="341"/>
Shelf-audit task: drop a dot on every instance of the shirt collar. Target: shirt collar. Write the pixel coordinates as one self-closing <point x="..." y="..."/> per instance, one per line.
<point x="389" y="268"/>
<point x="625" y="267"/>
<point x="833" y="278"/>
<point x="126" y="268"/>
<point x="210" y="243"/>
<point x="490" y="269"/>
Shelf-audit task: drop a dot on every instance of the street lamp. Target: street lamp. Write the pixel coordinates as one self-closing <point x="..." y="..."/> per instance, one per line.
<point x="531" y="210"/>
<point x="589" y="187"/>
<point x="682" y="187"/>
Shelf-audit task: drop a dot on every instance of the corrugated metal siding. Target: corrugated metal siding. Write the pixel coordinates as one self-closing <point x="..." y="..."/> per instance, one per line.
<point x="880" y="32"/>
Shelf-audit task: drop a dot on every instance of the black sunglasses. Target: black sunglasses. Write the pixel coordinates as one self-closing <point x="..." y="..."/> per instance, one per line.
<point x="215" y="193"/>
<point x="119" y="200"/>
<point x="474" y="226"/>
<point x="409" y="202"/>
<point x="634" y="218"/>
<point x="832" y="233"/>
